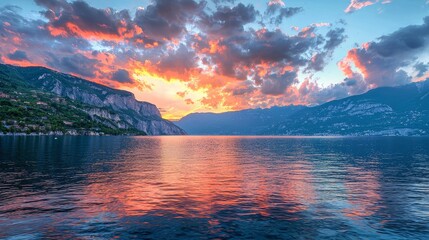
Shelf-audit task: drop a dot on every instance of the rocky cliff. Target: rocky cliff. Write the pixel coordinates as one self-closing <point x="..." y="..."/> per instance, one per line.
<point x="110" y="106"/>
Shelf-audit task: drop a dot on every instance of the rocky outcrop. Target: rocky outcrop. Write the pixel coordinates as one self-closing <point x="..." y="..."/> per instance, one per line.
<point x="94" y="94"/>
<point x="123" y="121"/>
<point x="159" y="127"/>
<point x="112" y="107"/>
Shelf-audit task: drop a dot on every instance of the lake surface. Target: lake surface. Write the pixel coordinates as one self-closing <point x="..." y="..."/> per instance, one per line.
<point x="214" y="187"/>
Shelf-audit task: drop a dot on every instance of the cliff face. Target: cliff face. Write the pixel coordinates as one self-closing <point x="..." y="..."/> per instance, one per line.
<point x="119" y="107"/>
<point x="94" y="94"/>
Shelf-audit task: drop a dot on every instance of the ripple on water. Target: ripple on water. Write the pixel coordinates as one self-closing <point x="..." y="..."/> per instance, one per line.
<point x="225" y="187"/>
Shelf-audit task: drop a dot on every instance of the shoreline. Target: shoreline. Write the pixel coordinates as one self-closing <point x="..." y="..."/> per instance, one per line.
<point x="59" y="133"/>
<point x="241" y="136"/>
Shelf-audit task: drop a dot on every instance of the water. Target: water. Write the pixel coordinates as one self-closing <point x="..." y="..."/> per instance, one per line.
<point x="214" y="187"/>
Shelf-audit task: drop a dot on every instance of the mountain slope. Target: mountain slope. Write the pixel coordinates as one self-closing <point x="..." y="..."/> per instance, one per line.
<point x="116" y="109"/>
<point x="402" y="110"/>
<point x="245" y="122"/>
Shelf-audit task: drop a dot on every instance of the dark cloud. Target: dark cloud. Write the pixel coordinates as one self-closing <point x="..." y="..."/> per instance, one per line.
<point x="276" y="84"/>
<point x="271" y="46"/>
<point x="160" y="21"/>
<point x="219" y="2"/>
<point x="244" y="88"/>
<point x="276" y="13"/>
<point x="75" y="64"/>
<point x="31" y="34"/>
<point x="318" y="61"/>
<point x="18" y="55"/>
<point x="381" y="62"/>
<point x="78" y="18"/>
<point x="122" y="76"/>
<point x="180" y="60"/>
<point x="167" y="19"/>
<point x="264" y="47"/>
<point x="227" y="21"/>
<point x="32" y="39"/>
<point x="334" y="38"/>
<point x="260" y="55"/>
<point x="421" y="69"/>
<point x="274" y="46"/>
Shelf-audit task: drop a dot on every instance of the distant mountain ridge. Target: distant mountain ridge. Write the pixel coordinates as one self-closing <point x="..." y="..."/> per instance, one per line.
<point x="244" y="122"/>
<point x="402" y="110"/>
<point x="116" y="108"/>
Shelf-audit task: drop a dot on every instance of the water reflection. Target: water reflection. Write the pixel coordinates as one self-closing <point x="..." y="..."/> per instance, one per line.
<point x="188" y="187"/>
<point x="362" y="187"/>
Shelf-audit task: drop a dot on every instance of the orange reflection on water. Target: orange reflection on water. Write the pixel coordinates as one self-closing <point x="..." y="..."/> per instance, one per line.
<point x="183" y="177"/>
<point x="298" y="189"/>
<point x="363" y="189"/>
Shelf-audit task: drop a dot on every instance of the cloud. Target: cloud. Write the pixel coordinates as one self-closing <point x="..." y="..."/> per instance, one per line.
<point x="227" y="21"/>
<point x="189" y="101"/>
<point x="277" y="84"/>
<point x="18" y="56"/>
<point x="219" y="55"/>
<point x="311" y="92"/>
<point x="276" y="12"/>
<point x="276" y="2"/>
<point x="382" y="62"/>
<point x="160" y="21"/>
<point x="78" y="64"/>
<point x="180" y="60"/>
<point x="421" y="69"/>
<point x="167" y="19"/>
<point x="359" y="4"/>
<point x="334" y="38"/>
<point x="122" y="76"/>
<point x="78" y="18"/>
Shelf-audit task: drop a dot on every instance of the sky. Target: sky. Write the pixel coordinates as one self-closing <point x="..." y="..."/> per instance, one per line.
<point x="190" y="56"/>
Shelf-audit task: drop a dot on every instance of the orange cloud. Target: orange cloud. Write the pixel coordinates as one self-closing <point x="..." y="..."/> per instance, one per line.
<point x="71" y="29"/>
<point x="353" y="57"/>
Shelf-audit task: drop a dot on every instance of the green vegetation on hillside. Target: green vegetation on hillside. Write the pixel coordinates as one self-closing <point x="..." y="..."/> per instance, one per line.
<point x="23" y="109"/>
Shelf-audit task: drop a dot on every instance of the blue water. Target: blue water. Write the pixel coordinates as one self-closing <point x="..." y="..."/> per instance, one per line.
<point x="214" y="188"/>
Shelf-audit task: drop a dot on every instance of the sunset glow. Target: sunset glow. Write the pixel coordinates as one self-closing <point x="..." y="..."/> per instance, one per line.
<point x="190" y="56"/>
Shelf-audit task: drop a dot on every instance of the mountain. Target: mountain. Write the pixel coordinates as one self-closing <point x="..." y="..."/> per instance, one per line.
<point x="402" y="110"/>
<point x="41" y="89"/>
<point x="245" y="122"/>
